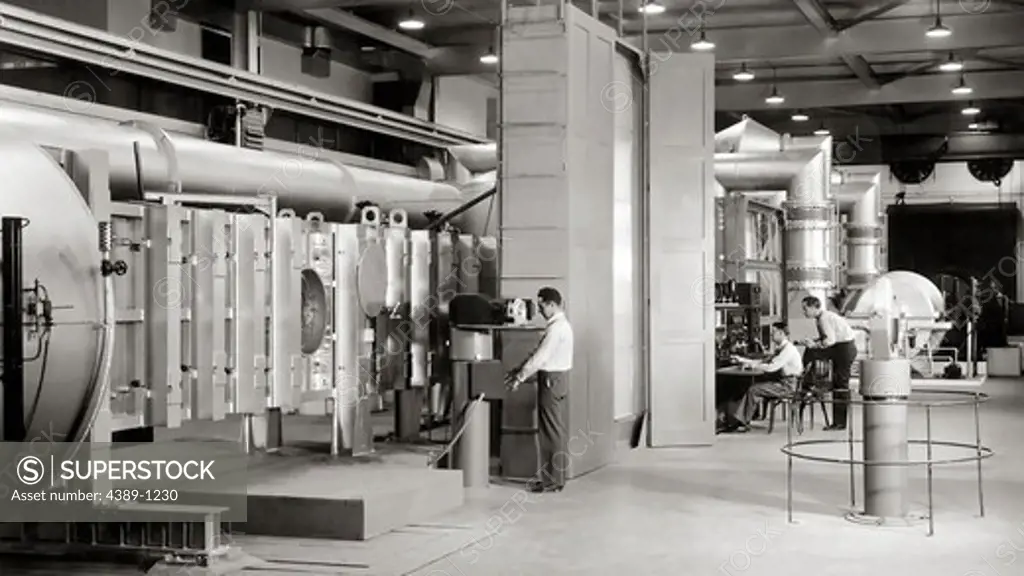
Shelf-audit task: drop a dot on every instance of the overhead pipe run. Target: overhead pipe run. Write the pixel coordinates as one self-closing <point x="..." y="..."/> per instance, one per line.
<point x="303" y="183"/>
<point x="859" y="196"/>
<point x="476" y="158"/>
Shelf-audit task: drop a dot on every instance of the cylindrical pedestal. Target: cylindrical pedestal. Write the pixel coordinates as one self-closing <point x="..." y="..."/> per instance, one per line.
<point x="885" y="386"/>
<point x="474" y="450"/>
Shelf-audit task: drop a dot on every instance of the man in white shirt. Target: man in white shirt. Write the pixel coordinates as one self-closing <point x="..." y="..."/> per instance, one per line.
<point x="782" y="375"/>
<point x="835" y="343"/>
<point x="551" y="362"/>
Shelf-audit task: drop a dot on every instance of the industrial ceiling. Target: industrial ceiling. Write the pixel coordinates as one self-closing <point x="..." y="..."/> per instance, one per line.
<point x="867" y="67"/>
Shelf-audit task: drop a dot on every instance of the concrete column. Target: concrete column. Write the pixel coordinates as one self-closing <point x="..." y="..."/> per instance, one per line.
<point x="557" y="203"/>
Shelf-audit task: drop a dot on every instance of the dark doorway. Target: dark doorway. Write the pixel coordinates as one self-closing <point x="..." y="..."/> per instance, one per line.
<point x="966" y="241"/>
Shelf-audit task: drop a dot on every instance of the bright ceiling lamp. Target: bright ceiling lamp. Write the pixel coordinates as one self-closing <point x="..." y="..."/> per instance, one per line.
<point x="774" y="99"/>
<point x="743" y="75"/>
<point x="411" y="22"/>
<point x="702" y="44"/>
<point x="971" y="110"/>
<point x="974" y="126"/>
<point x="490" y="58"/>
<point x="951" y="65"/>
<point x="962" y="89"/>
<point x="652" y="8"/>
<point x="800" y="117"/>
<point x="938" y="29"/>
<point x="822" y="131"/>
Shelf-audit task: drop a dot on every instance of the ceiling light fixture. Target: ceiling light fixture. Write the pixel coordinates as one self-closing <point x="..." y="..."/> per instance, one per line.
<point x="951" y="65"/>
<point x="971" y="110"/>
<point x="974" y="126"/>
<point x="490" y="58"/>
<point x="800" y="117"/>
<point x="938" y="29"/>
<point x="774" y="99"/>
<point x="822" y="131"/>
<point x="702" y="44"/>
<point x="652" y="8"/>
<point x="743" y="75"/>
<point x="962" y="89"/>
<point x="411" y="23"/>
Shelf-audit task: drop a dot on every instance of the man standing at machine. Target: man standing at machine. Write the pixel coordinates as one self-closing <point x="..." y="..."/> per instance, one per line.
<point x="835" y="343"/>
<point x="551" y="362"/>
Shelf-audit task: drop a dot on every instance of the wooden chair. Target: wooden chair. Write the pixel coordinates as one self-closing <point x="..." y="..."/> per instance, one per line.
<point x="814" y="388"/>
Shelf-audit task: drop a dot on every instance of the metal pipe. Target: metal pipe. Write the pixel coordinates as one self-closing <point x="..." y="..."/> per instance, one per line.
<point x="858" y="197"/>
<point x="304" y="183"/>
<point x="476" y="158"/>
<point x="793" y="419"/>
<point x="931" y="507"/>
<point x="885" y="386"/>
<point x="13" y="330"/>
<point x="977" y="437"/>
<point x="440" y="222"/>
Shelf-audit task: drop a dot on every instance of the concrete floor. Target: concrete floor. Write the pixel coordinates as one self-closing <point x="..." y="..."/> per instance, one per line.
<point x="721" y="510"/>
<point x="717" y="510"/>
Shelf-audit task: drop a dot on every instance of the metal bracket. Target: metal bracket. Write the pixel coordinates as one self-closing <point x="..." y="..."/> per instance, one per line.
<point x="166" y="147"/>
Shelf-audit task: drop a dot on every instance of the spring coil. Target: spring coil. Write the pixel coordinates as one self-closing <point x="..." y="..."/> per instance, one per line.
<point x="106" y="237"/>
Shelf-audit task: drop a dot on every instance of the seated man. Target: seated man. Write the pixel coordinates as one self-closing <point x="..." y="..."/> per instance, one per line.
<point x="782" y="372"/>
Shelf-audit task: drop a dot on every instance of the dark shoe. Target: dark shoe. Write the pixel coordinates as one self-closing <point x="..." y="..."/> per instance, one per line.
<point x="540" y="488"/>
<point x="835" y="427"/>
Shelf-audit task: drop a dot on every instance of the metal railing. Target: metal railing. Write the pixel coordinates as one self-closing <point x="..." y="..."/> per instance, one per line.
<point x="979" y="451"/>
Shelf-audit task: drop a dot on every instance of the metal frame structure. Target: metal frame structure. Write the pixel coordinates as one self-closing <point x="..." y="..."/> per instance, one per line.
<point x="50" y="36"/>
<point x="981" y="452"/>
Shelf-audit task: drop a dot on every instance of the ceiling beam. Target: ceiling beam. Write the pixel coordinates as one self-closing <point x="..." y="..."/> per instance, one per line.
<point x="869" y="13"/>
<point x="342" y="20"/>
<point x="820" y="94"/>
<point x="822" y="21"/>
<point x="876" y="37"/>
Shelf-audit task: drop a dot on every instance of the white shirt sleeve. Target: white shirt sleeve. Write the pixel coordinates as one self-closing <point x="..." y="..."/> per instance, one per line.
<point x="542" y="354"/>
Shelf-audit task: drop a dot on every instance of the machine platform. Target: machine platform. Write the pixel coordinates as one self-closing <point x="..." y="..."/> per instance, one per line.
<point x="301" y="491"/>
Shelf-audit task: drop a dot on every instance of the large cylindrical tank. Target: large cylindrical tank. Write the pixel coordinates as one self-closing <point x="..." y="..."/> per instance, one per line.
<point x="304" y="183"/>
<point x="61" y="252"/>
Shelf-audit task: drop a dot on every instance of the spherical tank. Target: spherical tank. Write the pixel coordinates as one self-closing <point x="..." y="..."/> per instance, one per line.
<point x="905" y="292"/>
<point x="60" y="251"/>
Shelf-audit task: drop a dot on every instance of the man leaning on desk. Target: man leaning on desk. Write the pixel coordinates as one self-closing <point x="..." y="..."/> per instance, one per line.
<point x="782" y="372"/>
<point x="551" y="362"/>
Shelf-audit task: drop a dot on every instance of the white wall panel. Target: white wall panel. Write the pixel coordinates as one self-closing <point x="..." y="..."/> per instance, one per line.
<point x="681" y="211"/>
<point x="461" y="102"/>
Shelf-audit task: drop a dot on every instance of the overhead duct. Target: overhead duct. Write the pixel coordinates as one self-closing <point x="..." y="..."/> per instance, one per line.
<point x="803" y="172"/>
<point x="316" y="52"/>
<point x="174" y="162"/>
<point x="747" y="135"/>
<point x="859" y="197"/>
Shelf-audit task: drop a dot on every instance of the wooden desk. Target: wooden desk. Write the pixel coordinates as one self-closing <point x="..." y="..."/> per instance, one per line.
<point x="733" y="382"/>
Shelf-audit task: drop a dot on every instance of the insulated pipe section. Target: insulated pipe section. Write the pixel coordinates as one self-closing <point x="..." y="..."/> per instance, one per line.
<point x="476" y="158"/>
<point x="885" y="386"/>
<point x="303" y="183"/>
<point x="859" y="199"/>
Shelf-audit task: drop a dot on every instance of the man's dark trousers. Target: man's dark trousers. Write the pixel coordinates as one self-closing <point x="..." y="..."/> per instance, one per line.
<point x="842" y="355"/>
<point x="552" y="415"/>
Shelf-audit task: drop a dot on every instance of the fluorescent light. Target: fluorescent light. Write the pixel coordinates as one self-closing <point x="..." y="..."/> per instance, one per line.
<point x="974" y="126"/>
<point x="971" y="110"/>
<point x="951" y="65"/>
<point x="652" y="8"/>
<point x="775" y="98"/>
<point x="702" y="44"/>
<point x="489" y="59"/>
<point x="411" y="23"/>
<point x="822" y="131"/>
<point x="743" y="75"/>
<point x="800" y="117"/>
<point x="938" y="30"/>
